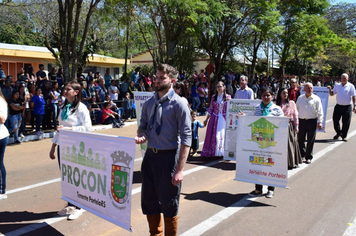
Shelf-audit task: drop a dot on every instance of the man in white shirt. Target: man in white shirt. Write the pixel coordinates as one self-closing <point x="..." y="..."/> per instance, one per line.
<point x="244" y="92"/>
<point x="310" y="117"/>
<point x="113" y="91"/>
<point x="345" y="93"/>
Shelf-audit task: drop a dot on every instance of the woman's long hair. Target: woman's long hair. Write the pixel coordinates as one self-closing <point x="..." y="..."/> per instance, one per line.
<point x="14" y="92"/>
<point x="78" y="98"/>
<point x="279" y="97"/>
<point x="183" y="92"/>
<point x="217" y="93"/>
<point x="30" y="71"/>
<point x="53" y="84"/>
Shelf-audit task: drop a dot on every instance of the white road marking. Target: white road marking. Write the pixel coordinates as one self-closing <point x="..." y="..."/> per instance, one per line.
<point x="33" y="186"/>
<point x="198" y="229"/>
<point x="351" y="230"/>
<point x="50" y="221"/>
<point x="51" y="182"/>
<point x="36" y="226"/>
<point x="237" y="206"/>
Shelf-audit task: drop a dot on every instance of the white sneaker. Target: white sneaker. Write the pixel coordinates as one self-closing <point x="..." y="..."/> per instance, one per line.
<point x="75" y="214"/>
<point x="269" y="194"/>
<point x="22" y="136"/>
<point x="66" y="211"/>
<point x="3" y="196"/>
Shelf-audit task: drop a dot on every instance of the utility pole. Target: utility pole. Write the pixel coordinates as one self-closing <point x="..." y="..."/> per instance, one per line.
<point x="267" y="58"/>
<point x="306" y="70"/>
<point x="127" y="42"/>
<point x="272" y="61"/>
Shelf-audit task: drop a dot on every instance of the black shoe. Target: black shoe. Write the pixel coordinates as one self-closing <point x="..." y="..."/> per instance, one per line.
<point x="17" y="142"/>
<point x="336" y="136"/>
<point x="255" y="194"/>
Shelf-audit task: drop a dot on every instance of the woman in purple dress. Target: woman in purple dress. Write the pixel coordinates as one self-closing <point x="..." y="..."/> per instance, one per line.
<point x="215" y="133"/>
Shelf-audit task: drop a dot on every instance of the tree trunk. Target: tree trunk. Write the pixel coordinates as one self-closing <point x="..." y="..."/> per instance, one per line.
<point x="218" y="65"/>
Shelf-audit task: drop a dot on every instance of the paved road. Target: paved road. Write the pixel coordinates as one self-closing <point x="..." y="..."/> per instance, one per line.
<point x="320" y="199"/>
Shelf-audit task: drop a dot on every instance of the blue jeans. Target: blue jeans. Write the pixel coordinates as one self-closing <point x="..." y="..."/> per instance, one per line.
<point x="23" y="123"/>
<point x="195" y="103"/>
<point x="120" y="111"/>
<point x="55" y="112"/>
<point x="3" y="143"/>
<point x="96" y="114"/>
<point x="39" y="118"/>
<point x="110" y="120"/>
<point x="15" y="123"/>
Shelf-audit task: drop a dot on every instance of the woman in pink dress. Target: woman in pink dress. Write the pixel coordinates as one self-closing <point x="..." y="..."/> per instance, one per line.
<point x="148" y="80"/>
<point x="290" y="110"/>
<point x="215" y="133"/>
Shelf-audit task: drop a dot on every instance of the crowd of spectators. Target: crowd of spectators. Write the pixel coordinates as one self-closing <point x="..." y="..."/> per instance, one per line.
<point x="37" y="97"/>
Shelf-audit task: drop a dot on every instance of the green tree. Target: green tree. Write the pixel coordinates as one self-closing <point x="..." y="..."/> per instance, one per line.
<point x="170" y="23"/>
<point x="313" y="35"/>
<point x="265" y="25"/>
<point x="222" y="28"/>
<point x="16" y="27"/>
<point x="342" y="19"/>
<point x="292" y="13"/>
<point x="340" y="53"/>
<point x="65" y="25"/>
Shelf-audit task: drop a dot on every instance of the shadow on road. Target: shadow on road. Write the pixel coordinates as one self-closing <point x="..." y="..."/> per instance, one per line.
<point x="223" y="164"/>
<point x="31" y="228"/>
<point x="326" y="140"/>
<point x="220" y="198"/>
<point x="19" y="216"/>
<point x="38" y="229"/>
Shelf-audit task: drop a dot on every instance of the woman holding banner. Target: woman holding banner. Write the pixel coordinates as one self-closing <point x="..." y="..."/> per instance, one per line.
<point x="215" y="133"/>
<point x="266" y="108"/>
<point x="290" y="110"/>
<point x="73" y="116"/>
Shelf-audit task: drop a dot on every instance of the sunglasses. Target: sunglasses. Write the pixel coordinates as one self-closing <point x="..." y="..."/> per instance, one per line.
<point x="176" y="87"/>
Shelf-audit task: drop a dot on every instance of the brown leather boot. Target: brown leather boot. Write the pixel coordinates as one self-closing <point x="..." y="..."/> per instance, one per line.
<point x="171" y="226"/>
<point x="155" y="224"/>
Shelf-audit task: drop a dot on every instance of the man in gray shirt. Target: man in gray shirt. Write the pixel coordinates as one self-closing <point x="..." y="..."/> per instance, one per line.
<point x="166" y="125"/>
<point x="244" y="92"/>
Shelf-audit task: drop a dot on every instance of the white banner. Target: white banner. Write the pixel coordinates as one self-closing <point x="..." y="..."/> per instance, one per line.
<point x="234" y="106"/>
<point x="262" y="150"/>
<point x="323" y="94"/>
<point x="97" y="173"/>
<point x="140" y="99"/>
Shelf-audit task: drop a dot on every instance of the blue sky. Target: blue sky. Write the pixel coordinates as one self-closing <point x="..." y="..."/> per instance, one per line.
<point x="337" y="1"/>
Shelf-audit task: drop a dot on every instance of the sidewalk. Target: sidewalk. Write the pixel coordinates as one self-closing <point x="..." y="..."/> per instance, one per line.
<point x="49" y="134"/>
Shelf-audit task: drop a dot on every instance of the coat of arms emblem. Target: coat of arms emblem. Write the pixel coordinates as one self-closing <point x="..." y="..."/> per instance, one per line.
<point x="120" y="181"/>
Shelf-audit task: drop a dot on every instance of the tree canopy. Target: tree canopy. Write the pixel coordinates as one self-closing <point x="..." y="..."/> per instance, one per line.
<point x="308" y="33"/>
